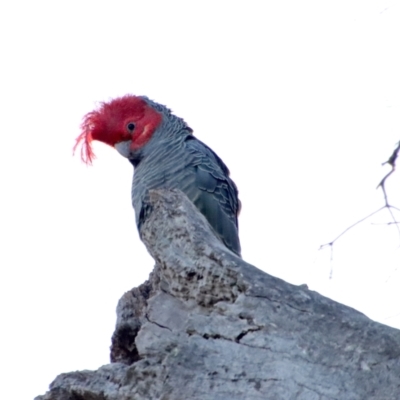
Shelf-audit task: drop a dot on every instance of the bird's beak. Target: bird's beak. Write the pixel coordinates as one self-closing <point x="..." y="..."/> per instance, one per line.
<point x="124" y="148"/>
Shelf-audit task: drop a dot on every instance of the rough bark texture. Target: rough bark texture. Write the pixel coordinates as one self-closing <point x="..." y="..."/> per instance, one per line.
<point x="207" y="325"/>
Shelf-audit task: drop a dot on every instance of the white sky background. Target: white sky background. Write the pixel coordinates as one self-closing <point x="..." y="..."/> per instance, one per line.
<point x="300" y="99"/>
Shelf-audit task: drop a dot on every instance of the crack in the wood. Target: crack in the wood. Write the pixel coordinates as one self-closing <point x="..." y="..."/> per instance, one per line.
<point x="217" y="336"/>
<point x="298" y="309"/>
<point x="156" y="323"/>
<point x="245" y="332"/>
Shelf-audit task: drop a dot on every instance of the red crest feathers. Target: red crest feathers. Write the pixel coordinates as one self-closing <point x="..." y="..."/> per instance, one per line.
<point x="107" y="124"/>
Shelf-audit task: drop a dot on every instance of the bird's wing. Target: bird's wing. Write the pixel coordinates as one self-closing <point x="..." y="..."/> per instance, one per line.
<point x="216" y="195"/>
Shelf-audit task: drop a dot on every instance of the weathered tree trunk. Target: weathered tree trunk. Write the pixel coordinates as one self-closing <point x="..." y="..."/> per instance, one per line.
<point x="207" y="325"/>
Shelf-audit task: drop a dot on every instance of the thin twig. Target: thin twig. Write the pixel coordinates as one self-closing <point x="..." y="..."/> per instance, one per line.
<point x="392" y="162"/>
<point x="351" y="226"/>
<point x="385" y="223"/>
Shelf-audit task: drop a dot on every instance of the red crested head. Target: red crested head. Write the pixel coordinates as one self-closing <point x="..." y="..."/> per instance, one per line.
<point x="127" y="118"/>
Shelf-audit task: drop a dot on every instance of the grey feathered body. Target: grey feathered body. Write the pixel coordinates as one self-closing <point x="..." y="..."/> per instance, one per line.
<point x="175" y="159"/>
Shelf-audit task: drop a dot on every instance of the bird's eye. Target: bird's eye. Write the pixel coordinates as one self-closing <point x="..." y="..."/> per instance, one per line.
<point x="130" y="126"/>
